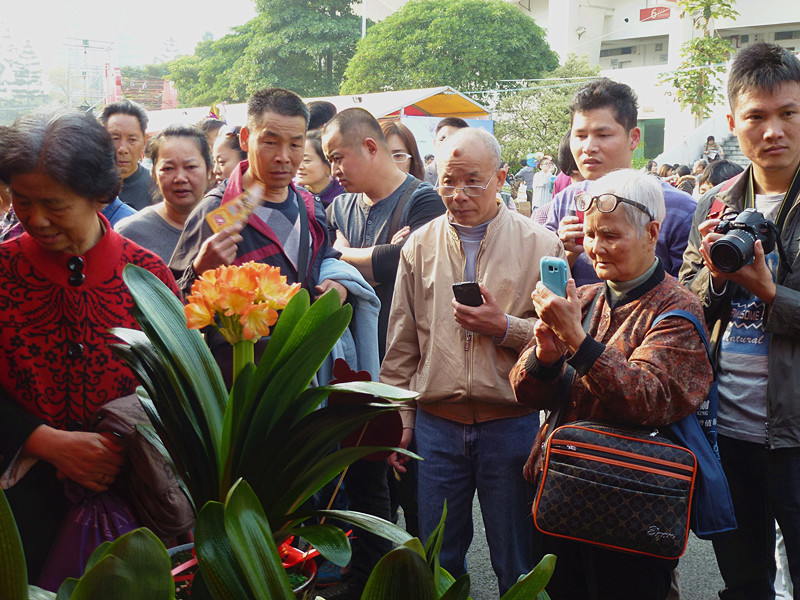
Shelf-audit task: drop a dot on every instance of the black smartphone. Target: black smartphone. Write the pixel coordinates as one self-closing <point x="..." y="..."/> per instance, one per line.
<point x="468" y="293"/>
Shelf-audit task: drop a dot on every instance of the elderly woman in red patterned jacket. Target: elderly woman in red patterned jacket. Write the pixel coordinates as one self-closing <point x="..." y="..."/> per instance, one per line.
<point x="61" y="290"/>
<point x="627" y="371"/>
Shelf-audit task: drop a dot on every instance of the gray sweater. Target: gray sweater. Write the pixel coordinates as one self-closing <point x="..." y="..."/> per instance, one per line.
<point x="149" y="229"/>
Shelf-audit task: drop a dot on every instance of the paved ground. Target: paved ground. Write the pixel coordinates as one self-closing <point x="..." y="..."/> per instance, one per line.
<point x="699" y="577"/>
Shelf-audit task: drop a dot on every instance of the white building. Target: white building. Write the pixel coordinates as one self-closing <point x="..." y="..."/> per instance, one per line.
<point x="635" y="40"/>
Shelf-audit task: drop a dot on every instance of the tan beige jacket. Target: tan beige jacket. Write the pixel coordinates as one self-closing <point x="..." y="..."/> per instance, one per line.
<point x="463" y="376"/>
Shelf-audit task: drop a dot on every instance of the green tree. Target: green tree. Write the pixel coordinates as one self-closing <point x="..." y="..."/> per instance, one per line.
<point x="536" y="119"/>
<point x="467" y="44"/>
<point x="696" y="83"/>
<point x="205" y="76"/>
<point x="302" y="45"/>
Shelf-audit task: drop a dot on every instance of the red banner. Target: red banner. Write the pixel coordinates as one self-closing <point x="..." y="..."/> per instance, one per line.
<point x="656" y="13"/>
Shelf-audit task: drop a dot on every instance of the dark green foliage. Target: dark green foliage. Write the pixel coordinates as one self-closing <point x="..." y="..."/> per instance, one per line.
<point x="300" y="45"/>
<point x="467" y="44"/>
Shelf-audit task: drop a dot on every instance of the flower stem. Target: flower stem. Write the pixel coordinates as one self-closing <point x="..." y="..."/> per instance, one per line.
<point x="243" y="353"/>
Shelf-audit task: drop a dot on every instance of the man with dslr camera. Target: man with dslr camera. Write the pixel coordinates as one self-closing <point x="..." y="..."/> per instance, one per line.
<point x="752" y="306"/>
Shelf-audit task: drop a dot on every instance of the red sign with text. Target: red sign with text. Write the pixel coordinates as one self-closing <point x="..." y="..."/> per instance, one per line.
<point x="656" y="13"/>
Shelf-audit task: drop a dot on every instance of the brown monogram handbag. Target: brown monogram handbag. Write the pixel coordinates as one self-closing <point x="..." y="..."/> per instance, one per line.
<point x="619" y="488"/>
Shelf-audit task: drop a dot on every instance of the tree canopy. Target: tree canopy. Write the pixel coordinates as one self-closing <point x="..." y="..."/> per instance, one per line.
<point x="302" y="45"/>
<point x="536" y="119"/>
<point x="468" y="44"/>
<point x="696" y="84"/>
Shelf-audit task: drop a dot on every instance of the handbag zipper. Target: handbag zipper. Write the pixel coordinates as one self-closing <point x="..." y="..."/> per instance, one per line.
<point x="622" y="458"/>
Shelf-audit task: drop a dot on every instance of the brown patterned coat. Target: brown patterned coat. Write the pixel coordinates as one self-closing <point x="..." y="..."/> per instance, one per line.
<point x="626" y="371"/>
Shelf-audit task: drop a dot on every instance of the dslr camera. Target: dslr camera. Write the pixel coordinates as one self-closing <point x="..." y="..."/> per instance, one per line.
<point x="735" y="249"/>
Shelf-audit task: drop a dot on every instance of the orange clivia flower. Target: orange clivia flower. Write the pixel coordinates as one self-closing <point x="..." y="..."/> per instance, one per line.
<point x="198" y="314"/>
<point x="242" y="302"/>
<point x="257" y="319"/>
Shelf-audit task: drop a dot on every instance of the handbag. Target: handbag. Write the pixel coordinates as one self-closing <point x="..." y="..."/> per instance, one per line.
<point x="147" y="481"/>
<point x="616" y="487"/>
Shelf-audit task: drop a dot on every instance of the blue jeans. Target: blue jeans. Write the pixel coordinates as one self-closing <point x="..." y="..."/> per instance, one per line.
<point x="765" y="487"/>
<point x="487" y="457"/>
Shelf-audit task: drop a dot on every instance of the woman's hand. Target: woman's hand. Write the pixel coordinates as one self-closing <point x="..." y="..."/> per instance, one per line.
<point x="561" y="315"/>
<point x="549" y="349"/>
<point x="91" y="459"/>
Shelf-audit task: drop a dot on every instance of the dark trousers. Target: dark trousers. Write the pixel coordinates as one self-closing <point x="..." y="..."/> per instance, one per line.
<point x="368" y="492"/>
<point x="765" y="487"/>
<point x="586" y="572"/>
<point x="403" y="493"/>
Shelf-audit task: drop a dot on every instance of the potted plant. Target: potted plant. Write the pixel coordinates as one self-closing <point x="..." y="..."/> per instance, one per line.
<point x="268" y="429"/>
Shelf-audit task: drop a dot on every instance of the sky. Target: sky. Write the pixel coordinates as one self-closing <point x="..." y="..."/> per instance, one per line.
<point x="137" y="29"/>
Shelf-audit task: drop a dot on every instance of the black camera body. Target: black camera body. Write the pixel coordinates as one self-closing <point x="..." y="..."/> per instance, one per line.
<point x="735" y="249"/>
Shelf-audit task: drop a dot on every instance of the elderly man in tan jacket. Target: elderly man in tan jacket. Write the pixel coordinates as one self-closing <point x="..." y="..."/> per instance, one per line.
<point x="469" y="429"/>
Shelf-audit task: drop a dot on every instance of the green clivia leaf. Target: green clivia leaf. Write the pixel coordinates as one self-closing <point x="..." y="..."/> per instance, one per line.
<point x="134" y="566"/>
<point x="400" y="575"/>
<point x="13" y="572"/>
<point x="329" y="540"/>
<point x="251" y="539"/>
<point x="533" y="584"/>
<point x="459" y="589"/>
<point x="221" y="573"/>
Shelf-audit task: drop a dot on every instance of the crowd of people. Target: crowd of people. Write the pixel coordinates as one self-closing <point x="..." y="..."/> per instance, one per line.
<point x="544" y="177"/>
<point x="349" y="205"/>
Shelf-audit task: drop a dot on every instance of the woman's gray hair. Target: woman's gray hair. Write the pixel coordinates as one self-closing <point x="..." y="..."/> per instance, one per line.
<point x="69" y="146"/>
<point x="637" y="186"/>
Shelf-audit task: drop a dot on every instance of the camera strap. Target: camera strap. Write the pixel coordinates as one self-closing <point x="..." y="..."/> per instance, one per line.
<point x="786" y="206"/>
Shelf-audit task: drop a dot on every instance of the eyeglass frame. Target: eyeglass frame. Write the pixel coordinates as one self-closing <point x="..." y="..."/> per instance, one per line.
<point x="464" y="187"/>
<point x="406" y="159"/>
<point x="618" y="199"/>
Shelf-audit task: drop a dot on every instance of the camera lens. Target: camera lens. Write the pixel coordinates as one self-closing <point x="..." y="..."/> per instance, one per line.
<point x="733" y="251"/>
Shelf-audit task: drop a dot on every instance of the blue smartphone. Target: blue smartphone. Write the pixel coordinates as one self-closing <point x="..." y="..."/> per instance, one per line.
<point x="554" y="273"/>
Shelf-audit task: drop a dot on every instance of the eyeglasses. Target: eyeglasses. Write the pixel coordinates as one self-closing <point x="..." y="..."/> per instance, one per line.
<point x="401" y="157"/>
<point x="448" y="191"/>
<point x="75" y="266"/>
<point x="607" y="203"/>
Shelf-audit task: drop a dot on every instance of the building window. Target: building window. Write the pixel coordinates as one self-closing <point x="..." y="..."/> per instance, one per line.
<point x="616" y="51"/>
<point x="744" y="39"/>
<point x="659" y="47"/>
<point x="786" y="35"/>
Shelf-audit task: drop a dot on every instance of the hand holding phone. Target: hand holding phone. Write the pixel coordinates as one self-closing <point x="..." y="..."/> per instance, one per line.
<point x="554" y="272"/>
<point x="468" y="293"/>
